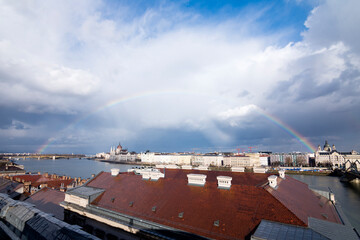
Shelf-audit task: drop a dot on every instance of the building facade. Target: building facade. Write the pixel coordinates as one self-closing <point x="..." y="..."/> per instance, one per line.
<point x="289" y="159"/>
<point x="329" y="156"/>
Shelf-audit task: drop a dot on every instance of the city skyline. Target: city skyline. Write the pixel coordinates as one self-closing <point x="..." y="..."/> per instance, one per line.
<point x="184" y="76"/>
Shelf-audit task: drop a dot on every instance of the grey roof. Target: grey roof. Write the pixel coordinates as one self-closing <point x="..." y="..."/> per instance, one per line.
<point x="5" y="203"/>
<point x="34" y="224"/>
<point x="41" y="227"/>
<point x="333" y="230"/>
<point x="84" y="192"/>
<point x="18" y="214"/>
<point x="279" y="231"/>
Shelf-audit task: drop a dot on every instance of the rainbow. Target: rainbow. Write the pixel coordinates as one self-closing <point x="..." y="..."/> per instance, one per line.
<point x="125" y="99"/>
<point x="113" y="103"/>
<point x="288" y="129"/>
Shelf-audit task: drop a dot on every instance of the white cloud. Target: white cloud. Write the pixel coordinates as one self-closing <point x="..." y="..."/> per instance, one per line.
<point x="238" y="111"/>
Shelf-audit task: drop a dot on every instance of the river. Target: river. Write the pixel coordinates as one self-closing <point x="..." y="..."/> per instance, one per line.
<point x="347" y="194"/>
<point x="73" y="167"/>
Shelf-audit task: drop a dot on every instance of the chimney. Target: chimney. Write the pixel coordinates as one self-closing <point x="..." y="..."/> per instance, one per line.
<point x="282" y="174"/>
<point x="196" y="179"/>
<point x="224" y="182"/>
<point x="273" y="181"/>
<point x="115" y="172"/>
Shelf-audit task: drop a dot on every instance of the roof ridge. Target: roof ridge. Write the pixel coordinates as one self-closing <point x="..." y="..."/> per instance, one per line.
<point x="284" y="207"/>
<point x="91" y="179"/>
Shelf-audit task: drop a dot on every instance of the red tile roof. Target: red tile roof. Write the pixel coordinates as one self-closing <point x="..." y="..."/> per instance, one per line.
<point x="302" y="201"/>
<point x="36" y="180"/>
<point x="48" y="200"/>
<point x="27" y="177"/>
<point x="239" y="209"/>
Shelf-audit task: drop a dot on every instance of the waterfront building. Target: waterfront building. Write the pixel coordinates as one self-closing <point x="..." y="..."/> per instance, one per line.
<point x="237" y="161"/>
<point x="249" y="160"/>
<point x="254" y="159"/>
<point x="289" y="159"/>
<point x="193" y="204"/>
<point x="329" y="156"/>
<point x="208" y="159"/>
<point x="119" y="154"/>
<point x="166" y="158"/>
<point x="264" y="159"/>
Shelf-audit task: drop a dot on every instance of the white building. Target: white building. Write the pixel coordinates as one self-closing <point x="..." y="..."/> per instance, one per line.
<point x="329" y="156"/>
<point x="118" y="154"/>
<point x="166" y="158"/>
<point x="211" y="159"/>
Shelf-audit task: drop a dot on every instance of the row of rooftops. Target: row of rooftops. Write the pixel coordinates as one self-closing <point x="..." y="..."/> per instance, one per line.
<point x="213" y="204"/>
<point x="211" y="210"/>
<point x="34" y="182"/>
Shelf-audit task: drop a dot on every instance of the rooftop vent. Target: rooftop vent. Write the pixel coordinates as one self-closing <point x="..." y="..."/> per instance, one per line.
<point x="282" y="174"/>
<point x="188" y="167"/>
<point x="238" y="169"/>
<point x="181" y="215"/>
<point x="156" y="175"/>
<point x="172" y="166"/>
<point x="153" y="174"/>
<point x="153" y="209"/>
<point x="196" y="179"/>
<point x="115" y="172"/>
<point x="272" y="181"/>
<point x="216" y="223"/>
<point x="224" y="182"/>
<point x="259" y="170"/>
<point x="145" y="175"/>
<point x="204" y="168"/>
<point x="131" y="204"/>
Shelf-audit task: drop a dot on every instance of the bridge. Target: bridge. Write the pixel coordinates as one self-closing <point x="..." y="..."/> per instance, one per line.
<point x="351" y="171"/>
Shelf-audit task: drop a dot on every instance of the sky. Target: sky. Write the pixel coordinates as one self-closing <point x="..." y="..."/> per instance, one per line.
<point x="170" y="76"/>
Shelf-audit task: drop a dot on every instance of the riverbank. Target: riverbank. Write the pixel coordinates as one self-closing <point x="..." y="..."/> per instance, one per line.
<point x="310" y="173"/>
<point x="214" y="168"/>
